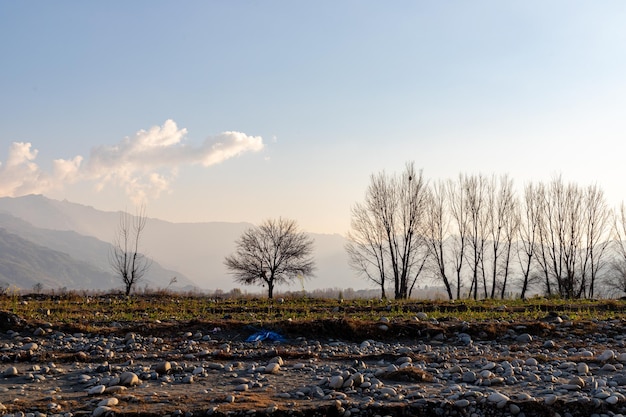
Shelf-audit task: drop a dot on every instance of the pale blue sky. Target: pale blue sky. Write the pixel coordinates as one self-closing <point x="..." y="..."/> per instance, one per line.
<point x="322" y="94"/>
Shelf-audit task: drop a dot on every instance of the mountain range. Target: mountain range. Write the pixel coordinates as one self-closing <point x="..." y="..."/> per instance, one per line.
<point x="60" y="244"/>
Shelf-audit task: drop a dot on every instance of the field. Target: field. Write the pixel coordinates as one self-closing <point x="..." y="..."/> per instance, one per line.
<point x="196" y="328"/>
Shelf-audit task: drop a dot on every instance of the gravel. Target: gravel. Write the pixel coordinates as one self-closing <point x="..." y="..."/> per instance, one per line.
<point x="555" y="372"/>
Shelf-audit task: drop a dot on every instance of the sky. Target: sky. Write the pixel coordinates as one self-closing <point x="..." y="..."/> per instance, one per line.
<point x="241" y="111"/>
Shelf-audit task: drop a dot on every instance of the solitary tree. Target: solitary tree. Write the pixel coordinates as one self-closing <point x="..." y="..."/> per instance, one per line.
<point x="273" y="253"/>
<point x="126" y="261"/>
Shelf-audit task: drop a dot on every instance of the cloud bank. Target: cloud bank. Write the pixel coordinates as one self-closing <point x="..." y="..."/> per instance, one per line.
<point x="144" y="164"/>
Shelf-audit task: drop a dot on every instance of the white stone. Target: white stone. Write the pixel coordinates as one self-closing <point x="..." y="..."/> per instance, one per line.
<point x="272" y="368"/>
<point x="497" y="397"/>
<point x="115" y="389"/>
<point x="109" y="402"/>
<point x="97" y="390"/>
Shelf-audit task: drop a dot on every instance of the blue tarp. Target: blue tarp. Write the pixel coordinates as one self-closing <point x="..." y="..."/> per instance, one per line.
<point x="265" y="335"/>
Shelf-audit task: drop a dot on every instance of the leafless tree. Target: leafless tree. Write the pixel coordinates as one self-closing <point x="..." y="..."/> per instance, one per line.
<point x="273" y="253"/>
<point x="503" y="224"/>
<point x="596" y="221"/>
<point x="476" y="190"/>
<point x="366" y="246"/>
<point x="394" y="212"/>
<point x="573" y="230"/>
<point x="616" y="279"/>
<point x="563" y="235"/>
<point x="125" y="258"/>
<point x="436" y="232"/>
<point x="528" y="236"/>
<point x="460" y="215"/>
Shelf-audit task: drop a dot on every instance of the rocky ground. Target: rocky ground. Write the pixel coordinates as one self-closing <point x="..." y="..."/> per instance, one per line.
<point x="337" y="367"/>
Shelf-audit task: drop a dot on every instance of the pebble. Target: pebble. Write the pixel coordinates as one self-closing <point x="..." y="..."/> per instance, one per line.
<point x="468" y="374"/>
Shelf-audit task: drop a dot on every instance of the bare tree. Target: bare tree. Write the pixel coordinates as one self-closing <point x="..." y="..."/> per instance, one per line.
<point x="436" y="231"/>
<point x="366" y="246"/>
<point x="528" y="236"/>
<point x="616" y="279"/>
<point x="273" y="253"/>
<point x="394" y="212"/>
<point x="459" y="244"/>
<point x="573" y="237"/>
<point x="476" y="190"/>
<point x="560" y="220"/>
<point x="503" y="223"/>
<point x="596" y="222"/>
<point x="125" y="258"/>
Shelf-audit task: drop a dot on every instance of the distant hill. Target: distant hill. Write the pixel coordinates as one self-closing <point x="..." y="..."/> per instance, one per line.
<point x="195" y="250"/>
<point x="24" y="264"/>
<point x="57" y="259"/>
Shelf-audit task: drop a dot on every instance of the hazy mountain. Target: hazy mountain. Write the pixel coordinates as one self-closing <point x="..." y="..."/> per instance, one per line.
<point x="24" y="263"/>
<point x="197" y="250"/>
<point x="56" y="259"/>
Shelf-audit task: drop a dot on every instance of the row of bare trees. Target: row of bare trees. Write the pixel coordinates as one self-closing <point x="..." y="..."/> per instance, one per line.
<point x="479" y="239"/>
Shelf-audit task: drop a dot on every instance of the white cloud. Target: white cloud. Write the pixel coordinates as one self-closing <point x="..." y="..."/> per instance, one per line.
<point x="144" y="164"/>
<point x="20" y="175"/>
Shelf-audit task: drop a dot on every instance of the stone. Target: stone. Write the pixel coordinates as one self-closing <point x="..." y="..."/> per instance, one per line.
<point x="421" y="316"/>
<point x="101" y="410"/>
<point x="115" y="389"/>
<point x="10" y="371"/>
<point x="336" y="382"/>
<point x="272" y="368"/>
<point x="461" y="403"/>
<point x="96" y="390"/>
<point x="129" y="379"/>
<point x="163" y="367"/>
<point x="30" y="346"/>
<point x="497" y="397"/>
<point x="577" y="381"/>
<point x="469" y="376"/>
<point x="109" y="402"/>
<point x="606" y="356"/>
<point x="549" y="399"/>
